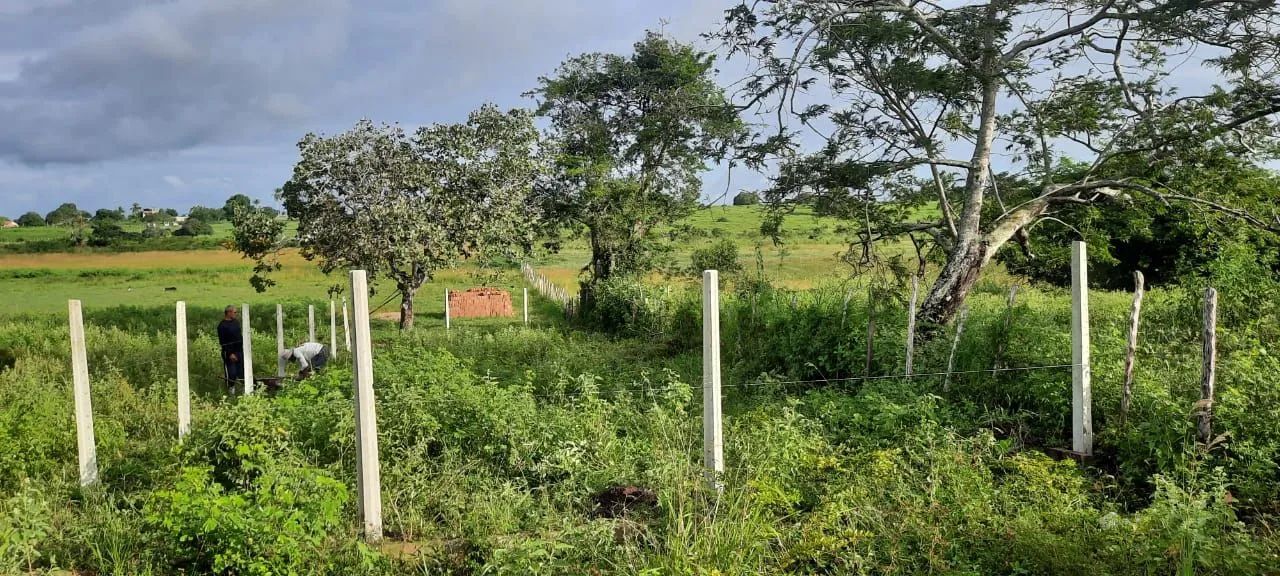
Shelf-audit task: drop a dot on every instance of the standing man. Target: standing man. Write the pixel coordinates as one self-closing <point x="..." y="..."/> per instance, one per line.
<point x="311" y="356"/>
<point x="232" y="348"/>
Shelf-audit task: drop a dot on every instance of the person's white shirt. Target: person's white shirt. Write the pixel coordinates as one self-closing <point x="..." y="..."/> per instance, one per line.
<point x="304" y="353"/>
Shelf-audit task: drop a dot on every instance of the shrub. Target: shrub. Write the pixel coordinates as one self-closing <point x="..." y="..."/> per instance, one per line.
<point x="722" y="256"/>
<point x="194" y="227"/>
<point x="277" y="526"/>
<point x="30" y="219"/>
<point x="746" y="199"/>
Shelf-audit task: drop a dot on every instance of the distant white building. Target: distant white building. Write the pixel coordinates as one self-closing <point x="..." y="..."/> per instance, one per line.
<point x="10" y="224"/>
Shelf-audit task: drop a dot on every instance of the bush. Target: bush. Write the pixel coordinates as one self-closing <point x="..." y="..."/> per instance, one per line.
<point x="277" y="526"/>
<point x="194" y="227"/>
<point x="108" y="233"/>
<point x="30" y="219"/>
<point x="722" y="256"/>
<point x="746" y="199"/>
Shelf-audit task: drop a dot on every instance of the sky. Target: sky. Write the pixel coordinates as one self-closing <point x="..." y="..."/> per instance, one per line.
<point x="179" y="103"/>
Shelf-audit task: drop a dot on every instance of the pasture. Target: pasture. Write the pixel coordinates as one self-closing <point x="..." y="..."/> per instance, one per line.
<point x="560" y="449"/>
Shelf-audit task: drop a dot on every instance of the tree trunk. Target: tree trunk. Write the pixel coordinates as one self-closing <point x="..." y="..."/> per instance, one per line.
<point x="972" y="250"/>
<point x="406" y="307"/>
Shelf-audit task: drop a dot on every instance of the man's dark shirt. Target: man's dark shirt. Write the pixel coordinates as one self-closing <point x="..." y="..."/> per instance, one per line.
<point x="229" y="337"/>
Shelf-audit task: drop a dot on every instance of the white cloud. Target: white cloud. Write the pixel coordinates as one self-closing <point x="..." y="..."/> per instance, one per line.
<point x="175" y="181"/>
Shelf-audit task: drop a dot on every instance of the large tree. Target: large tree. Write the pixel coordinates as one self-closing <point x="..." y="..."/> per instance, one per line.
<point x="406" y="205"/>
<point x="906" y="98"/>
<point x="65" y="214"/>
<point x="633" y="135"/>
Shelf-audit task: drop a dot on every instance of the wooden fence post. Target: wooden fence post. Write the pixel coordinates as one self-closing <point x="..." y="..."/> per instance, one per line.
<point x="911" y="323"/>
<point x="311" y="323"/>
<point x="1081" y="373"/>
<point x="86" y="448"/>
<point x="1204" y="428"/>
<point x="333" y="329"/>
<point x="712" y="434"/>
<point x="446" y="308"/>
<point x="1131" y="351"/>
<point x="246" y="353"/>
<point x="368" y="478"/>
<point x="280" y="361"/>
<point x="955" y="344"/>
<point x="184" y="384"/>
<point x="346" y="328"/>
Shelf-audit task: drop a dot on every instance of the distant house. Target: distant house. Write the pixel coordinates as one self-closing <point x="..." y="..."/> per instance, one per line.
<point x="10" y="224"/>
<point x="179" y="219"/>
<point x="149" y="212"/>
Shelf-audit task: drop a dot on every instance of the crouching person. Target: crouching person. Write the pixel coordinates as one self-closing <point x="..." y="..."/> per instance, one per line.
<point x="311" y="357"/>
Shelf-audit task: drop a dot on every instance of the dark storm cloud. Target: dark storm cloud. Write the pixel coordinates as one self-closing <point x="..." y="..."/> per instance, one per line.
<point x="159" y="77"/>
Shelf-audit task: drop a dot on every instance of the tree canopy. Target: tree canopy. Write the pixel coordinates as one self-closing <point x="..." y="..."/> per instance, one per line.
<point x="65" y="214"/>
<point x="234" y="204"/>
<point x="405" y="205"/>
<point x="30" y="219"/>
<point x="632" y="136"/>
<point x="926" y="99"/>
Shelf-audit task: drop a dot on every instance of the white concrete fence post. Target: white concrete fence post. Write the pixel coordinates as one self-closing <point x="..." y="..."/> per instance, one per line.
<point x="526" y="306"/>
<point x="184" y="383"/>
<point x="280" y="362"/>
<point x="311" y="323"/>
<point x="446" y="308"/>
<point x="1081" y="375"/>
<point x="86" y="448"/>
<point x="712" y="434"/>
<point x="368" y="479"/>
<point x="246" y="353"/>
<point x="333" y="329"/>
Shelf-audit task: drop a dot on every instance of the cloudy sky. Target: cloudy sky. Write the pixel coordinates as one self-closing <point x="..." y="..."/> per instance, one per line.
<point x="109" y="102"/>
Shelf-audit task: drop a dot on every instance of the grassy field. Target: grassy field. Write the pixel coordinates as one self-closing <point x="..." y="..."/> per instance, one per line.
<point x="504" y="447"/>
<point x="41" y="283"/>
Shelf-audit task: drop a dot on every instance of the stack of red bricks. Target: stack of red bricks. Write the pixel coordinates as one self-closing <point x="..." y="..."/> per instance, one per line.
<point x="480" y="303"/>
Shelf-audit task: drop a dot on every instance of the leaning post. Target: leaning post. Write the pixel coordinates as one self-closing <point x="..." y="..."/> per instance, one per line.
<point x="712" y="433"/>
<point x="184" y="384"/>
<point x="1081" y="374"/>
<point x="246" y="353"/>
<point x="368" y="479"/>
<point x="86" y="449"/>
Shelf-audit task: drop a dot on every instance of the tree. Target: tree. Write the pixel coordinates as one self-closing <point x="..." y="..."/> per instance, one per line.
<point x="235" y="203"/>
<point x="135" y="212"/>
<point x="193" y="227"/>
<point x="170" y="212"/>
<point x="30" y="219"/>
<point x="107" y="215"/>
<point x="65" y="214"/>
<point x="926" y="95"/>
<point x="746" y="198"/>
<point x="633" y="134"/>
<point x="206" y="215"/>
<point x="106" y="233"/>
<point x="405" y="206"/>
